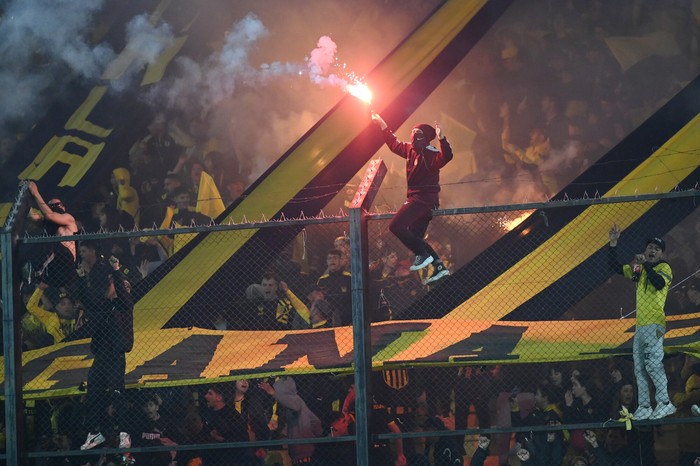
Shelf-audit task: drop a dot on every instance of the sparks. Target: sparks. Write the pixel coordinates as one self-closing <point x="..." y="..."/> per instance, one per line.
<point x="361" y="91"/>
<point x="508" y="224"/>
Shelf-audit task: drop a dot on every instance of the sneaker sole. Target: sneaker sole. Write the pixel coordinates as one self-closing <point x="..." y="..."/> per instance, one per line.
<point x="436" y="277"/>
<point x="428" y="260"/>
<point x="661" y="416"/>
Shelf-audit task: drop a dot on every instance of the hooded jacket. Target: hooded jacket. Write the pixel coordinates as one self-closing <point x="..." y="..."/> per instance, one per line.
<point x="422" y="170"/>
<point x="301" y="422"/>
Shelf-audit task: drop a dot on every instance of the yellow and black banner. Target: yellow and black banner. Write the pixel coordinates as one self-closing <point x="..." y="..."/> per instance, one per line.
<point x="193" y="356"/>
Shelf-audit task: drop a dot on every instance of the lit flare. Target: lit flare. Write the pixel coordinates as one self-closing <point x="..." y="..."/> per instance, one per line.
<point x="361" y="91"/>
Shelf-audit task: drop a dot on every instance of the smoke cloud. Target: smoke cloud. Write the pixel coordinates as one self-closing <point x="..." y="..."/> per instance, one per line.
<point x="144" y="44"/>
<point x="208" y="84"/>
<point x="44" y="44"/>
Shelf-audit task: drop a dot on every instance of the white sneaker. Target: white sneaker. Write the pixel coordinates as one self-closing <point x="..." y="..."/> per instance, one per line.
<point x="92" y="441"/>
<point x="695" y="409"/>
<point x="662" y="410"/>
<point x="421" y="261"/>
<point x="642" y="413"/>
<point x="124" y="440"/>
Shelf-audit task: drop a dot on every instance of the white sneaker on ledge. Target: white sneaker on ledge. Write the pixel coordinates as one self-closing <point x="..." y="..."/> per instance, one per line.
<point x="92" y="441"/>
<point x="695" y="409"/>
<point x="642" y="413"/>
<point x="662" y="410"/>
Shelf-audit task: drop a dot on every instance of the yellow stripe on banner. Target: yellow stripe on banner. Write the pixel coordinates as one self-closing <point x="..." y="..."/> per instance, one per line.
<point x="117" y="67"/>
<point x="300" y="167"/>
<point x="587" y="233"/>
<point x="79" y="121"/>
<point x="155" y="71"/>
<point x="4" y="211"/>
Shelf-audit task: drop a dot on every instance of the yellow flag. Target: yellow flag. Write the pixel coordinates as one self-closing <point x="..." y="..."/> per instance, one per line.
<point x="209" y="200"/>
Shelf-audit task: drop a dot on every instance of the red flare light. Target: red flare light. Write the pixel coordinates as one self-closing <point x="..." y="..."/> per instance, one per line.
<point x="361" y="91"/>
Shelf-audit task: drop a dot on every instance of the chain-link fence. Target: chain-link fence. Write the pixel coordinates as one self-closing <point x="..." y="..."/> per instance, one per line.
<point x="235" y="344"/>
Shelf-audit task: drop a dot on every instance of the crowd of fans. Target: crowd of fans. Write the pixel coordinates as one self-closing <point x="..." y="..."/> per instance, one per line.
<point x="596" y="395"/>
<point x="543" y="107"/>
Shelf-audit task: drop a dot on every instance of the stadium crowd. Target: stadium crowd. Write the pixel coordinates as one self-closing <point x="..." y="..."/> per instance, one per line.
<point x="546" y="102"/>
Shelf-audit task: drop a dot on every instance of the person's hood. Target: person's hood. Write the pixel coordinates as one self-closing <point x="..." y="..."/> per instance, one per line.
<point x="693" y="383"/>
<point x="122" y="176"/>
<point x="285" y="386"/>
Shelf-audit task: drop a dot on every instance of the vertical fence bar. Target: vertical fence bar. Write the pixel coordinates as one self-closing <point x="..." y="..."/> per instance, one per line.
<point x="361" y="332"/>
<point x="12" y="352"/>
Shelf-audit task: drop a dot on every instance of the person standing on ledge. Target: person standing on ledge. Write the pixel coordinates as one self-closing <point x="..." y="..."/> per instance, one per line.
<point x="653" y="277"/>
<point x="423" y="164"/>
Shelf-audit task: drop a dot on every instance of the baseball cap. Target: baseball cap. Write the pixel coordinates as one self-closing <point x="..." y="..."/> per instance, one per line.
<point x="657" y="241"/>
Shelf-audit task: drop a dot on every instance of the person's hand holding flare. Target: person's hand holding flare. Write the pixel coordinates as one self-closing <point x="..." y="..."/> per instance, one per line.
<point x="379" y="121"/>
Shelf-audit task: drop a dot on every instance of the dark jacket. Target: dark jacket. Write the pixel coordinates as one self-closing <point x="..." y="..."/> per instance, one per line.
<point x="422" y="170"/>
<point x="109" y="322"/>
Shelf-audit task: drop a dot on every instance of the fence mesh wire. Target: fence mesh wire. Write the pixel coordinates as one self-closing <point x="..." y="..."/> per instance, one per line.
<point x="244" y="334"/>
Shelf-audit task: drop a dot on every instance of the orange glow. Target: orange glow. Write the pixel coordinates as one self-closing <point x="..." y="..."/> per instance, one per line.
<point x="361" y="91"/>
<point x="509" y="225"/>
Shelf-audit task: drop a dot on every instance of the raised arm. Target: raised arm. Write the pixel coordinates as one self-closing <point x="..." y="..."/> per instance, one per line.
<point x="64" y="219"/>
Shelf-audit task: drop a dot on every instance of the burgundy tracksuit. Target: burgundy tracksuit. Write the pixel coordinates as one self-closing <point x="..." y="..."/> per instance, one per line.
<point x="423" y="179"/>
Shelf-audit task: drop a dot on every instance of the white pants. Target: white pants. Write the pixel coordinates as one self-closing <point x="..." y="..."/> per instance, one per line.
<point x="648" y="354"/>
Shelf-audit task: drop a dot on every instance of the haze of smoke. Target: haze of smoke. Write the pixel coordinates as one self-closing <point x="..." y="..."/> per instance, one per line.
<point x="207" y="84"/>
<point x="144" y="44"/>
<point x="321" y="61"/>
<point x="562" y="158"/>
<point x="43" y="45"/>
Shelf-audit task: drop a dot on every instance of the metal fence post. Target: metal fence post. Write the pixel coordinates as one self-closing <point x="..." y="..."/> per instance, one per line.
<point x="12" y="351"/>
<point x="361" y="332"/>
